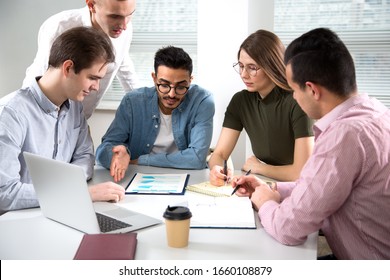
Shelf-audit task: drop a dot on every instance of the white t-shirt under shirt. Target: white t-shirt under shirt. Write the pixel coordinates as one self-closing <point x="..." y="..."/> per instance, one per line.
<point x="165" y="142"/>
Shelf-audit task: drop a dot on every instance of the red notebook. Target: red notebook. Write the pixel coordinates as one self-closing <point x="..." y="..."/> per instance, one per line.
<point x="116" y="246"/>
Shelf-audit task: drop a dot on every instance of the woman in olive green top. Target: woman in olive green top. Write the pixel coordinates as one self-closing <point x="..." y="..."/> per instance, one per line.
<point x="280" y="132"/>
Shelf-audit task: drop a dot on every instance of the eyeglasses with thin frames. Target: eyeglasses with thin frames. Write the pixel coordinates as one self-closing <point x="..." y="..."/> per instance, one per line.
<point x="165" y="89"/>
<point x="250" y="69"/>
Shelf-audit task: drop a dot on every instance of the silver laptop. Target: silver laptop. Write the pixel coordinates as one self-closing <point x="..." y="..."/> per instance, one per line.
<point x="63" y="196"/>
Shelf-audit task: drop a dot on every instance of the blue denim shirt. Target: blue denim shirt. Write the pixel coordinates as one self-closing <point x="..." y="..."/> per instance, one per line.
<point x="137" y="123"/>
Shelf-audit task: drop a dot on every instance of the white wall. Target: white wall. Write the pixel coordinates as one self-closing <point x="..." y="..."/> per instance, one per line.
<point x="223" y="25"/>
<point x="19" y="24"/>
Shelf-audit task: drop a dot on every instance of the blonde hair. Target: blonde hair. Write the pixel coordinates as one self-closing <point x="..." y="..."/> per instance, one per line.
<point x="267" y="50"/>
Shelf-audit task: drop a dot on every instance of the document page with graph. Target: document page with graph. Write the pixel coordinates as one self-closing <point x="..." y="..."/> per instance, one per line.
<point x="143" y="183"/>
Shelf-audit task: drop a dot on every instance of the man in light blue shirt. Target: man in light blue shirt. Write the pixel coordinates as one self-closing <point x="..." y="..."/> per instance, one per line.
<point x="168" y="125"/>
<point x="46" y="117"/>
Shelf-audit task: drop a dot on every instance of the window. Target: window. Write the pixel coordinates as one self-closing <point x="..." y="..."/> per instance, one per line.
<point x="363" y="25"/>
<point x="157" y="24"/>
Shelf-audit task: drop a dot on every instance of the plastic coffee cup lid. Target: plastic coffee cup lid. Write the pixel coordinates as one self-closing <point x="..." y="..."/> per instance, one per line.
<point x="177" y="213"/>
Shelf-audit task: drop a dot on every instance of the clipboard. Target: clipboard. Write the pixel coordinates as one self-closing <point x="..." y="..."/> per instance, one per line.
<point x="158" y="183"/>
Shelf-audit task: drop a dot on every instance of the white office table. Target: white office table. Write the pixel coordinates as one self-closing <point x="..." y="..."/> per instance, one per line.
<point x="26" y="234"/>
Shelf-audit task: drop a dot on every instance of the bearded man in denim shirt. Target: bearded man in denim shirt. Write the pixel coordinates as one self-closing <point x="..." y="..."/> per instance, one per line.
<point x="168" y="125"/>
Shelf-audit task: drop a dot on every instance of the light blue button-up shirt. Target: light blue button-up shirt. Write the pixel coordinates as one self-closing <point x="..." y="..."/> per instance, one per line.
<point x="137" y="123"/>
<point x="30" y="122"/>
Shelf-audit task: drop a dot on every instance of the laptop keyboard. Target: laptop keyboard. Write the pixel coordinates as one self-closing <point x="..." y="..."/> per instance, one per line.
<point x="108" y="224"/>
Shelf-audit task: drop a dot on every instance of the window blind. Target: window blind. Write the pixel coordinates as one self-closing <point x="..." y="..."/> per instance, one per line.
<point x="363" y="25"/>
<point x="157" y="24"/>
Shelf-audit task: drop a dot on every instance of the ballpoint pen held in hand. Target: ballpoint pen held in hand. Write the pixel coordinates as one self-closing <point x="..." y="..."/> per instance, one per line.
<point x="225" y="170"/>
<point x="238" y="186"/>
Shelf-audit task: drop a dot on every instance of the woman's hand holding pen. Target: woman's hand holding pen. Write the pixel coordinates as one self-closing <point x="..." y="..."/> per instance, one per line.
<point x="218" y="177"/>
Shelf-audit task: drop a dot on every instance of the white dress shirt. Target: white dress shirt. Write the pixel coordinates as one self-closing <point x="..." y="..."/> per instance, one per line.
<point x="123" y="68"/>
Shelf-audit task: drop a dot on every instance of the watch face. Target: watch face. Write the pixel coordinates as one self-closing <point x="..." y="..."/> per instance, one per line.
<point x="271" y="186"/>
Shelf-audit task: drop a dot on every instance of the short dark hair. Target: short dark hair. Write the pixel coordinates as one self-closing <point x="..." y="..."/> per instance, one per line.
<point x="319" y="56"/>
<point x="82" y="45"/>
<point x="173" y="57"/>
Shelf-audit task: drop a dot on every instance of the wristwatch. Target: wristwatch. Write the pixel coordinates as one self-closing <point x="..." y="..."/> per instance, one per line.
<point x="271" y="185"/>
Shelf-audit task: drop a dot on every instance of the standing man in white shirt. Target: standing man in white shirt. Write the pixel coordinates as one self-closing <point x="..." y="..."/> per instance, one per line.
<point x="111" y="16"/>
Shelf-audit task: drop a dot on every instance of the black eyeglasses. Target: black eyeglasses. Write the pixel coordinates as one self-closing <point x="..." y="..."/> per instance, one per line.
<point x="250" y="69"/>
<point x="165" y="88"/>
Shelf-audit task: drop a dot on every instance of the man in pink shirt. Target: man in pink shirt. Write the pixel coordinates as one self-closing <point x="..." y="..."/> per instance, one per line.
<point x="344" y="188"/>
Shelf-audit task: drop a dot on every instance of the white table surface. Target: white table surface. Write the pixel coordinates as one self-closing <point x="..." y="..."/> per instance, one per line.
<point x="26" y="234"/>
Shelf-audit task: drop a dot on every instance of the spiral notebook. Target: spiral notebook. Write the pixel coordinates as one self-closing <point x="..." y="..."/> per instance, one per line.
<point x="209" y="189"/>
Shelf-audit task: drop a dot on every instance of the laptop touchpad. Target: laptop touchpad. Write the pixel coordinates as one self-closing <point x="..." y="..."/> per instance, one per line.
<point x="120" y="213"/>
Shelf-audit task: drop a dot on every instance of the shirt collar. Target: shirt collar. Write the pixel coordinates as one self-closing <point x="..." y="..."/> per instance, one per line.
<point x="46" y="105"/>
<point x="275" y="94"/>
<point x="323" y="123"/>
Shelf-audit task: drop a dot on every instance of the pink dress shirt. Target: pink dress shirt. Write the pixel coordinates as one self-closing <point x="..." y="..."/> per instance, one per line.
<point x="344" y="188"/>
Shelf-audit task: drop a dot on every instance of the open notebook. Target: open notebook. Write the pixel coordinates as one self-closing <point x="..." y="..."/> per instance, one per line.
<point x="211" y="190"/>
<point x="221" y="212"/>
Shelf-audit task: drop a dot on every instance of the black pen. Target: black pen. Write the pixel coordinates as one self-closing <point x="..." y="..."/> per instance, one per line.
<point x="225" y="170"/>
<point x="238" y="186"/>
